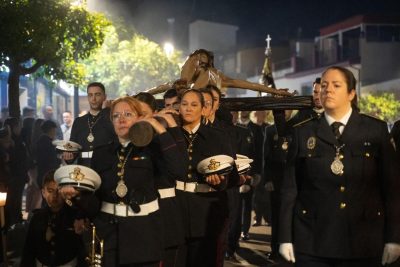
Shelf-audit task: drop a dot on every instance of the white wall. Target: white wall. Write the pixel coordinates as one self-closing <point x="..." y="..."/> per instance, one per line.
<point x="211" y="36"/>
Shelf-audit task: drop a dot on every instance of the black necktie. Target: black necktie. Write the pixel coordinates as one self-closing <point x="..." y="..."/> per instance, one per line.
<point x="335" y="128"/>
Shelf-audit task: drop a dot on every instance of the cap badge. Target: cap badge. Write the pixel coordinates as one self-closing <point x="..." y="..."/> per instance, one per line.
<point x="76" y="174"/>
<point x="213" y="165"/>
<point x="68" y="146"/>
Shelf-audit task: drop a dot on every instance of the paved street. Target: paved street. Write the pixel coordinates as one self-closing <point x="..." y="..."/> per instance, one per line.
<point x="252" y="252"/>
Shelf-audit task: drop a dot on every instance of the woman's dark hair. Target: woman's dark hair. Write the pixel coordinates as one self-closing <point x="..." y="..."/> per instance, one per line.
<point x="148" y="99"/>
<point x="207" y="91"/>
<point x="215" y="89"/>
<point x="196" y="91"/>
<point x="351" y="81"/>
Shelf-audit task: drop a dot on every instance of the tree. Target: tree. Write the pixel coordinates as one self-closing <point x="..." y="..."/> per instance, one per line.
<point x="130" y="65"/>
<point x="48" y="34"/>
<point x="381" y="105"/>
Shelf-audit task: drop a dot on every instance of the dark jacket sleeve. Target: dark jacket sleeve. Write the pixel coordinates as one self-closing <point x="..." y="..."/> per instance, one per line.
<point x="288" y="194"/>
<point x="74" y="130"/>
<point x="176" y="161"/>
<point x="28" y="254"/>
<point x="390" y="174"/>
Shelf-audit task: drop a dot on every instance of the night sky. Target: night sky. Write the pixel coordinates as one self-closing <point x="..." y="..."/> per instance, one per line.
<point x="282" y="19"/>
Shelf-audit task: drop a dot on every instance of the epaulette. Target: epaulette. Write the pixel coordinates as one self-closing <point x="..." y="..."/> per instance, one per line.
<point x="372" y="117"/>
<point x="314" y="116"/>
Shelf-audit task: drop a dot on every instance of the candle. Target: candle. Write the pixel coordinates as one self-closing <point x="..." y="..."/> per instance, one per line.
<point x="3" y="197"/>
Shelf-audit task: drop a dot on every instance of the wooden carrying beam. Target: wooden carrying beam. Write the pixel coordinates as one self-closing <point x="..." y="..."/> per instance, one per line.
<point x="267" y="103"/>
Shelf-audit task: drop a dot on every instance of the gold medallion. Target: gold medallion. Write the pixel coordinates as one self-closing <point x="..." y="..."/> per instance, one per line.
<point x="337" y="166"/>
<point x="285" y="145"/>
<point x="90" y="138"/>
<point x="121" y="189"/>
<point x="311" y="142"/>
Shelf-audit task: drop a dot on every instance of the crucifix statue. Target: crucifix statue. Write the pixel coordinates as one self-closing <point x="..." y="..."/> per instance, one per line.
<point x="198" y="71"/>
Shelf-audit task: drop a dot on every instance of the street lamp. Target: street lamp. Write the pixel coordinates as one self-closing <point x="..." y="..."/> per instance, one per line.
<point x="169" y="49"/>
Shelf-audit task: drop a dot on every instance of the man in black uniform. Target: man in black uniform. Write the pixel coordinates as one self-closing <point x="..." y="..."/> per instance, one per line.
<point x="246" y="190"/>
<point x="275" y="153"/>
<point x="316" y="111"/>
<point x="95" y="128"/>
<point x="278" y="138"/>
<point x="261" y="197"/>
<point x="51" y="239"/>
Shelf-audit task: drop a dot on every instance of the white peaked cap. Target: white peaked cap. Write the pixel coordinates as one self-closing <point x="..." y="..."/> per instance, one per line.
<point x="78" y="176"/>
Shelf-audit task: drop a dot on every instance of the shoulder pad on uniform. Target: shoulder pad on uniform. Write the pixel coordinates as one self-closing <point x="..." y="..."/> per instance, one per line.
<point x="36" y="210"/>
<point x="315" y="116"/>
<point x="372" y="117"/>
<point x="241" y="126"/>
<point x="217" y="129"/>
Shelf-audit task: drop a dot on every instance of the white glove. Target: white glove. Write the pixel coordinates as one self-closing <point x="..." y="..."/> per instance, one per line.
<point x="391" y="252"/>
<point x="287" y="251"/>
<point x="244" y="188"/>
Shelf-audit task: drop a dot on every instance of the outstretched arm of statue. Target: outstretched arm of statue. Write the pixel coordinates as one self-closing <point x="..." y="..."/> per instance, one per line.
<point x="236" y="83"/>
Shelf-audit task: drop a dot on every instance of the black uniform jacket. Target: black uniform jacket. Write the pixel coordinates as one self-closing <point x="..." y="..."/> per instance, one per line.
<point x="205" y="213"/>
<point x="137" y="238"/>
<point x="275" y="154"/>
<point x="103" y="132"/>
<point x="62" y="247"/>
<point x="347" y="216"/>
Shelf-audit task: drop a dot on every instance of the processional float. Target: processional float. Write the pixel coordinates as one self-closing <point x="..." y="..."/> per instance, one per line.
<point x="198" y="71"/>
